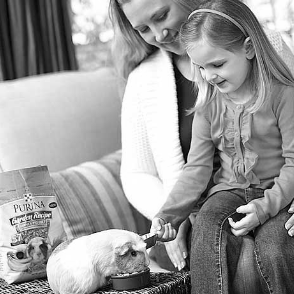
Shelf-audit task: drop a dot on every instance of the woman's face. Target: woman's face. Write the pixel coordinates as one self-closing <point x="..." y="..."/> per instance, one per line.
<point x="158" y="22"/>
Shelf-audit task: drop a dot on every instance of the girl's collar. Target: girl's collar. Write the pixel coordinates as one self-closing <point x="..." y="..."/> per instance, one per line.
<point x="234" y="105"/>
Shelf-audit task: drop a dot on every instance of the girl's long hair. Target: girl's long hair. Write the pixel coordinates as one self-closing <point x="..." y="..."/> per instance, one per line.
<point x="267" y="65"/>
<point x="128" y="47"/>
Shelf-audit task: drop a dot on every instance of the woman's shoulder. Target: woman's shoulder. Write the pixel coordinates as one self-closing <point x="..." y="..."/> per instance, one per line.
<point x="151" y="71"/>
<point x="151" y="78"/>
<point x="156" y="61"/>
<point x="281" y="47"/>
<point x="275" y="38"/>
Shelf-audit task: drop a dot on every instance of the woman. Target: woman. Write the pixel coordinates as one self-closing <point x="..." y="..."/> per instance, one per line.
<point x="156" y="131"/>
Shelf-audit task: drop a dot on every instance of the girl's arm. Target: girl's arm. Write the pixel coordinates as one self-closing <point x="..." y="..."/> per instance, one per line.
<point x="287" y="55"/>
<point x="195" y="175"/>
<point x="281" y="194"/>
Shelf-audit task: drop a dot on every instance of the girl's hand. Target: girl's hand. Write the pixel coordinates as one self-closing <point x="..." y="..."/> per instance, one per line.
<point x="165" y="232"/>
<point x="247" y="223"/>
<point x="177" y="249"/>
<point x="289" y="225"/>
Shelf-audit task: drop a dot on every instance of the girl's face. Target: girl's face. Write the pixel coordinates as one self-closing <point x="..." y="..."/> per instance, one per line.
<point x="226" y="70"/>
<point x="158" y="22"/>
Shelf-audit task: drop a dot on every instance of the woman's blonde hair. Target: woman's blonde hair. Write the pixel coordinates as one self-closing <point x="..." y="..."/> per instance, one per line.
<point x="220" y="31"/>
<point x="128" y="47"/>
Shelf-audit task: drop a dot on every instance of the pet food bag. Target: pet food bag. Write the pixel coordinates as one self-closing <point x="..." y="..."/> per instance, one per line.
<point x="30" y="223"/>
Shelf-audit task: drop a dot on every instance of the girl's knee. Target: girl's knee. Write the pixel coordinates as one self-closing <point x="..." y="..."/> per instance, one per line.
<point x="208" y="220"/>
<point x="273" y="252"/>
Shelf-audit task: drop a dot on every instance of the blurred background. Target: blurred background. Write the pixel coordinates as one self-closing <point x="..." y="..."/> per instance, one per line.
<point x="39" y="36"/>
<point x="92" y="31"/>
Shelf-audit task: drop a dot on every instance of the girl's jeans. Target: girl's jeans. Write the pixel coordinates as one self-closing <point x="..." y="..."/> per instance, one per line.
<point x="215" y="250"/>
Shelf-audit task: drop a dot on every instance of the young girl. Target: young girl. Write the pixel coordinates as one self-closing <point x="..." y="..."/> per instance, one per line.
<point x="245" y="110"/>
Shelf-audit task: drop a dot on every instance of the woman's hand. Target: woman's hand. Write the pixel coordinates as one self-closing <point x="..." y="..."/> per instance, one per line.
<point x="165" y="232"/>
<point x="177" y="249"/>
<point x="247" y="223"/>
<point x="289" y="225"/>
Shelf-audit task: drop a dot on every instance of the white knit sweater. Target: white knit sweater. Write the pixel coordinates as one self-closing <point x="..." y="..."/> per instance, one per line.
<point x="152" y="157"/>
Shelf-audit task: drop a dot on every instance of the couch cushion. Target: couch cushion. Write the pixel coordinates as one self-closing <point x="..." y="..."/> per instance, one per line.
<point x="59" y="119"/>
<point x="91" y="198"/>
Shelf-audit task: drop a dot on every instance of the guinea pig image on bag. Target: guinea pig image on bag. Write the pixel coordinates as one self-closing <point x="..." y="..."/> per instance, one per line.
<point x="85" y="264"/>
<point x="38" y="249"/>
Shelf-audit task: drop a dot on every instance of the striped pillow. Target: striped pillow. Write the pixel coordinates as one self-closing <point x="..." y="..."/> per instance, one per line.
<point x="91" y="198"/>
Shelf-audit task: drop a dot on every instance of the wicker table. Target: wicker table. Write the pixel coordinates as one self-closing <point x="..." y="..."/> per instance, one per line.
<point x="161" y="283"/>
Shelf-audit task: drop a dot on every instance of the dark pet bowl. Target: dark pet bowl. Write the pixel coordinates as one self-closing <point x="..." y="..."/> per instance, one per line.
<point x="131" y="281"/>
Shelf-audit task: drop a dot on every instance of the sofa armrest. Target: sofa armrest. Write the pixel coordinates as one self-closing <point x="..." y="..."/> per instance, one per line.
<point x="91" y="198"/>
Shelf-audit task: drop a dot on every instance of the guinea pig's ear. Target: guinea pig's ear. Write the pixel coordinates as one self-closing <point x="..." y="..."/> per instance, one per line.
<point x="123" y="249"/>
<point x="44" y="248"/>
<point x="29" y="249"/>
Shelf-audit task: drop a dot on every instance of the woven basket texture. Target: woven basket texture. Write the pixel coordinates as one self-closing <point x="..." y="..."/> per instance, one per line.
<point x="161" y="283"/>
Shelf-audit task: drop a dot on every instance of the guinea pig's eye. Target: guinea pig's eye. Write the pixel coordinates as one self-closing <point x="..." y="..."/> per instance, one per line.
<point x="20" y="255"/>
<point x="134" y="253"/>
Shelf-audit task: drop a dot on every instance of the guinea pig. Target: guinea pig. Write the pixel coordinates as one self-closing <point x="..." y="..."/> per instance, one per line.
<point x="82" y="265"/>
<point x="38" y="249"/>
